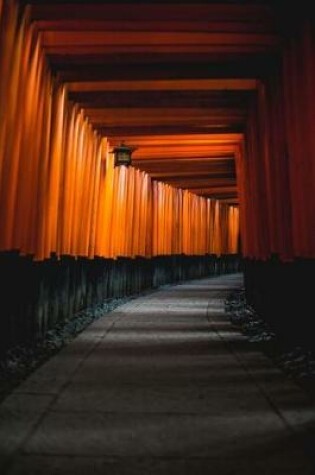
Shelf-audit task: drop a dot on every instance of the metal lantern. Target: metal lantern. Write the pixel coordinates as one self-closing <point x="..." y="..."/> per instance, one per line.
<point x="122" y="155"/>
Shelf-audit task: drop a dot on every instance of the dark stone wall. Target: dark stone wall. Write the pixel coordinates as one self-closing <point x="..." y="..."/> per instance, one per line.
<point x="35" y="296"/>
<point x="282" y="293"/>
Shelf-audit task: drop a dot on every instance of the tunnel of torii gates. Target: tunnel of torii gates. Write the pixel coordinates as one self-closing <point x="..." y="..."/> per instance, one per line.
<point x="218" y="99"/>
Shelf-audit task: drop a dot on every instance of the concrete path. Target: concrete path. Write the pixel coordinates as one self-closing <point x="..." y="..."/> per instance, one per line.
<point x="162" y="385"/>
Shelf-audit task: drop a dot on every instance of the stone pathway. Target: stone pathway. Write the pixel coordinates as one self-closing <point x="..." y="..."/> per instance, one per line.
<point x="162" y="385"/>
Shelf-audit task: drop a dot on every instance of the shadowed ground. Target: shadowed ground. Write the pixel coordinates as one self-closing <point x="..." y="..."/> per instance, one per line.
<point x="162" y="385"/>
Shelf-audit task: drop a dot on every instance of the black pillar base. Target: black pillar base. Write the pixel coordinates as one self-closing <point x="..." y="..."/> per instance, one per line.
<point x="283" y="295"/>
<point x="35" y="296"/>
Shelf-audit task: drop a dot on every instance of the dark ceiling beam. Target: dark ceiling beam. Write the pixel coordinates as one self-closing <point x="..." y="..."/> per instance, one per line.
<point x="185" y="151"/>
<point x="217" y="188"/>
<point x="250" y="11"/>
<point x="165" y="175"/>
<point x="186" y="159"/>
<point x="216" y="179"/>
<point x="236" y="26"/>
<point x="54" y="39"/>
<point x="180" y="155"/>
<point x="164" y="70"/>
<point x="162" y="99"/>
<point x="232" y="200"/>
<point x="222" y="196"/>
<point x="231" y="84"/>
<point x="201" y="181"/>
<point x="105" y="49"/>
<point x="186" y="164"/>
<point x="165" y="171"/>
<point x="170" y="112"/>
<point x="186" y="139"/>
<point x="177" y="166"/>
<point x="122" y="133"/>
<point x="163" y="117"/>
<point x="167" y="159"/>
<point x="213" y="121"/>
<point x="219" y="196"/>
<point x="193" y="171"/>
<point x="128" y="59"/>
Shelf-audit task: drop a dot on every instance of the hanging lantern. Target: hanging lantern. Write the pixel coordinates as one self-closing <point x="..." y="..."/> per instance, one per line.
<point x="122" y="155"/>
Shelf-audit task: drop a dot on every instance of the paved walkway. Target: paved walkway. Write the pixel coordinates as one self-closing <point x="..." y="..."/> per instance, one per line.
<point x="162" y="385"/>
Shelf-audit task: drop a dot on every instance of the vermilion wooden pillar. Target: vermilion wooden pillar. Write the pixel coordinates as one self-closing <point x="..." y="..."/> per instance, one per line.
<point x="276" y="170"/>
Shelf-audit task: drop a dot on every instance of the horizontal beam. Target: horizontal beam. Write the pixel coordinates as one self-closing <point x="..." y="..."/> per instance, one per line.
<point x="55" y="39"/>
<point x="170" y="116"/>
<point x="153" y="11"/>
<point x="198" y="59"/>
<point x="186" y="163"/>
<point x="191" y="122"/>
<point x="232" y="197"/>
<point x="122" y="133"/>
<point x="135" y="112"/>
<point x="162" y="150"/>
<point x="217" y="189"/>
<point x="166" y="25"/>
<point x="221" y="196"/>
<point x="201" y="181"/>
<point x="180" y="174"/>
<point x="237" y="84"/>
<point x="230" y="201"/>
<point x="181" y="140"/>
<point x="242" y="67"/>
<point x="167" y="158"/>
<point x="162" y="99"/>
<point x="157" y="49"/>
